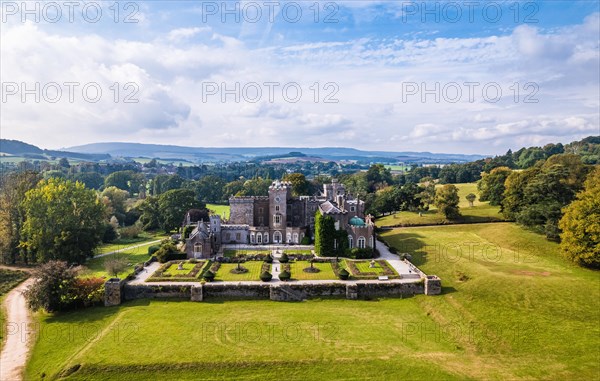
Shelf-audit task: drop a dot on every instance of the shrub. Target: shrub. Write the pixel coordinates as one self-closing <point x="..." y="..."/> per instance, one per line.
<point x="284" y="258"/>
<point x="393" y="250"/>
<point x="130" y="232"/>
<point x="269" y="259"/>
<point x="285" y="275"/>
<point x="110" y="234"/>
<point x="153" y="249"/>
<point x="305" y="241"/>
<point x="344" y="274"/>
<point x="208" y="275"/>
<point x="88" y="292"/>
<point x="266" y="276"/>
<point x="52" y="290"/>
<point x="168" y="251"/>
<point x="114" y="265"/>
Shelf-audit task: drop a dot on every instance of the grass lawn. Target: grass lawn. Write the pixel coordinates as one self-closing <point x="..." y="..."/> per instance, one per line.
<point x="365" y="267"/>
<point x="124" y="243"/>
<point x="219" y="209"/>
<point x="174" y="271"/>
<point x="326" y="272"/>
<point x="253" y="273"/>
<point x="479" y="212"/>
<point x="95" y="266"/>
<point x="9" y="279"/>
<point x="511" y="309"/>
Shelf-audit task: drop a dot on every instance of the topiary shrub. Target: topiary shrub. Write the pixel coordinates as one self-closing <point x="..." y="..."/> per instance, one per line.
<point x="284" y="258"/>
<point x="285" y="275"/>
<point x="153" y="249"/>
<point x="266" y="276"/>
<point x="269" y="258"/>
<point x="208" y="275"/>
<point x="344" y="274"/>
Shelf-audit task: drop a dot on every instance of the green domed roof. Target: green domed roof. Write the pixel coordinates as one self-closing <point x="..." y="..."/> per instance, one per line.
<point x="357" y="221"/>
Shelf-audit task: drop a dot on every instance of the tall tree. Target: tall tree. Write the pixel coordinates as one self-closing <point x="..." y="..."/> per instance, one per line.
<point x="446" y="201"/>
<point x="580" y="224"/>
<point x="325" y="235"/>
<point x="12" y="192"/>
<point x="300" y="187"/>
<point x="63" y="221"/>
<point x="173" y="205"/>
<point x="491" y="185"/>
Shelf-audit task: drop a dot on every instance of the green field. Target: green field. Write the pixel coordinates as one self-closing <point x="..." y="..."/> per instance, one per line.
<point x="253" y="273"/>
<point x="479" y="212"/>
<point x="219" y="209"/>
<point x="230" y="253"/>
<point x="124" y="243"/>
<point x="9" y="279"/>
<point x="326" y="273"/>
<point x="511" y="309"/>
<point x="403" y="168"/>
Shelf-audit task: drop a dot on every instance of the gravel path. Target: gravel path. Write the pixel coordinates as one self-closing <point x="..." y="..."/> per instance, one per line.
<point x="19" y="334"/>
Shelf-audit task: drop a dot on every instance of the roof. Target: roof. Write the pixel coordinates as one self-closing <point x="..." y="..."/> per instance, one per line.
<point x="357" y="221"/>
<point x="328" y="208"/>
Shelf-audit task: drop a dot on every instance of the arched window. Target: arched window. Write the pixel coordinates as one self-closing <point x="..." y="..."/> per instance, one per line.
<point x="288" y="237"/>
<point x="350" y="242"/>
<point x="371" y="242"/>
<point x="252" y="238"/>
<point x="198" y="248"/>
<point x="266" y="239"/>
<point x="277" y="237"/>
<point x="259" y="238"/>
<point x="360" y="242"/>
<point x="295" y="237"/>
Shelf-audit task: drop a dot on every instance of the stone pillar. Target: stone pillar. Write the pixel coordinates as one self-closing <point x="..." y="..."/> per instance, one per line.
<point x="433" y="285"/>
<point x="112" y="292"/>
<point x="197" y="293"/>
<point x="351" y="291"/>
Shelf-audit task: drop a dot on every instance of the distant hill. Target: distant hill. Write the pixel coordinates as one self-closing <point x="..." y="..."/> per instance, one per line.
<point x="29" y="151"/>
<point x="201" y="154"/>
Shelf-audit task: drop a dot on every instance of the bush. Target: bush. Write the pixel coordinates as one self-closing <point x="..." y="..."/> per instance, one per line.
<point x="284" y="258"/>
<point x="285" y="275"/>
<point x="305" y="241"/>
<point x="366" y="253"/>
<point x="51" y="289"/>
<point x="130" y="232"/>
<point x="153" y="249"/>
<point x="169" y="252"/>
<point x="344" y="274"/>
<point x="266" y="276"/>
<point x="110" y="234"/>
<point x="209" y="276"/>
<point x="269" y="259"/>
<point x="88" y="292"/>
<point x="114" y="265"/>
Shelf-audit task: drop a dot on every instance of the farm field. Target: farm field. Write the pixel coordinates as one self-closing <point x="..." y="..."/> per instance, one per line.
<point x="479" y="212"/>
<point x="511" y="308"/>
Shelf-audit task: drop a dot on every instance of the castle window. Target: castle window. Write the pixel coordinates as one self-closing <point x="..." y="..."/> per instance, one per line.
<point x="260" y="210"/>
<point x="361" y="242"/>
<point x="228" y="237"/>
<point x="260" y="220"/>
<point x="198" y="248"/>
<point x="238" y="236"/>
<point x="259" y="238"/>
<point x="353" y="209"/>
<point x="350" y="242"/>
<point x="277" y="219"/>
<point x="252" y="238"/>
<point x="295" y="237"/>
<point x="289" y="237"/>
<point x="266" y="240"/>
<point x="277" y="208"/>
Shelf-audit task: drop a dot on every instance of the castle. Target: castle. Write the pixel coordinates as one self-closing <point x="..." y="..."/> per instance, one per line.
<point x="280" y="218"/>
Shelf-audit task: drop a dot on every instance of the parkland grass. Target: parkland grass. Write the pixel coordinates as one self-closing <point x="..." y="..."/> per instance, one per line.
<point x="511" y="308"/>
<point x="95" y="266"/>
<point x="219" y="209"/>
<point x="481" y="211"/>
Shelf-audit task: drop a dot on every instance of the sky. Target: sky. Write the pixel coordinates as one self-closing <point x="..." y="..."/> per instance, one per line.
<point x="474" y="77"/>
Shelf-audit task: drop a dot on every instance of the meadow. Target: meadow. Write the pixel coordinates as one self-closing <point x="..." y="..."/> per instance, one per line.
<point x="479" y="212"/>
<point x="511" y="308"/>
<point x="219" y="209"/>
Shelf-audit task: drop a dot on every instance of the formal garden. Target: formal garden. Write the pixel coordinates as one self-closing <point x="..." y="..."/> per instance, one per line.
<point x="179" y="271"/>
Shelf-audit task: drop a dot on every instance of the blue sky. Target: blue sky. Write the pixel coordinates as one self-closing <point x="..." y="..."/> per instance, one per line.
<point x="460" y="77"/>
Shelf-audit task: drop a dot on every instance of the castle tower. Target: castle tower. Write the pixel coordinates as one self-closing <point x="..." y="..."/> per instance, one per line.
<point x="279" y="194"/>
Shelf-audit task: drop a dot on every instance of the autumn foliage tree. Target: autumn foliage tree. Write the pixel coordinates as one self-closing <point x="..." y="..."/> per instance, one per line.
<point x="580" y="224"/>
<point x="63" y="221"/>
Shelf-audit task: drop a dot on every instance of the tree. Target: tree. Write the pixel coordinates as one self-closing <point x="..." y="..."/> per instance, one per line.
<point x="63" y="221"/>
<point x="150" y="213"/>
<point x="51" y="291"/>
<point x="491" y="185"/>
<point x="324" y="235"/>
<point x="209" y="189"/>
<point x="92" y="180"/>
<point x="580" y="224"/>
<point x="116" y="201"/>
<point x="446" y="201"/>
<point x="12" y="192"/>
<point x="172" y="206"/>
<point x="114" y="265"/>
<point x="471" y="198"/>
<point x="300" y="187"/>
